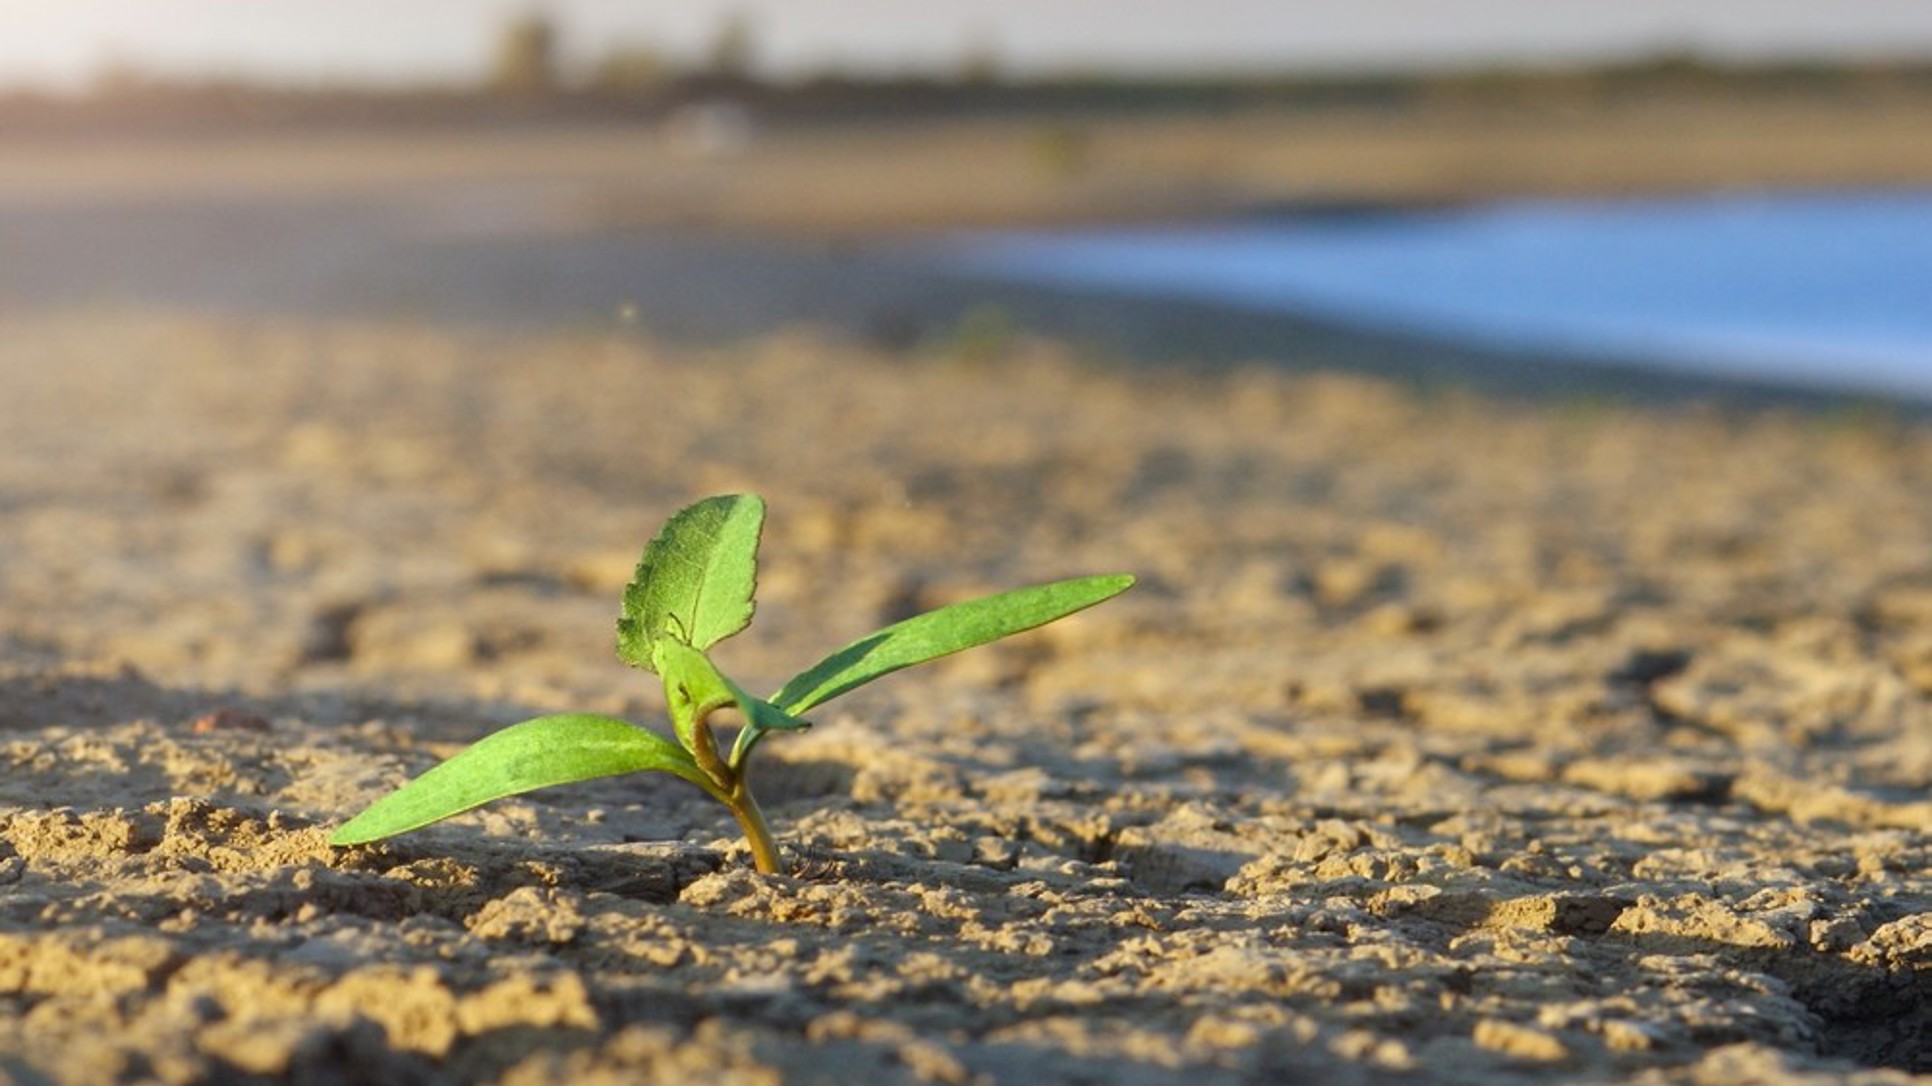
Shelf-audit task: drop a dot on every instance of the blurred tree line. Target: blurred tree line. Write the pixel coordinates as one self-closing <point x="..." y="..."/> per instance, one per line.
<point x="531" y="73"/>
<point x="528" y="63"/>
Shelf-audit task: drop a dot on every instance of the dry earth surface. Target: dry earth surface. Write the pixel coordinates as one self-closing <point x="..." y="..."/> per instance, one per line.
<point x="1446" y="739"/>
<point x="861" y="176"/>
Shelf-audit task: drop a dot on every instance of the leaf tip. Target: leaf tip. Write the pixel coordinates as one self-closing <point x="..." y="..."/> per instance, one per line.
<point x="346" y="836"/>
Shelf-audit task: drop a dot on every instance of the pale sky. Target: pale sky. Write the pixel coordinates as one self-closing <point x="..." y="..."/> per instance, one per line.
<point x="60" y="43"/>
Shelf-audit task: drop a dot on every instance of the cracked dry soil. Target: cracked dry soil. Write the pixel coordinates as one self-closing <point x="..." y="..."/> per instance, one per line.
<point x="1446" y="739"/>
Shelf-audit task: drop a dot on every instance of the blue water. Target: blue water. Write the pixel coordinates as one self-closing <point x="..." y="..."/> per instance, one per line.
<point x="1828" y="290"/>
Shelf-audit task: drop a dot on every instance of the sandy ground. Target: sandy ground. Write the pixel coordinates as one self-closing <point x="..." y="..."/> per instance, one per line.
<point x="1447" y="739"/>
<point x="855" y="179"/>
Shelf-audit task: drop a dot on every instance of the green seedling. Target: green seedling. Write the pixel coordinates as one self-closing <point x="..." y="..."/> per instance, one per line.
<point x="693" y="588"/>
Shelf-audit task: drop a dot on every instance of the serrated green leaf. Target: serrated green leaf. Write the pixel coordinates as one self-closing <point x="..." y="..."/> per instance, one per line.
<point x="942" y="632"/>
<point x="694" y="688"/>
<point x="535" y="754"/>
<point x="695" y="581"/>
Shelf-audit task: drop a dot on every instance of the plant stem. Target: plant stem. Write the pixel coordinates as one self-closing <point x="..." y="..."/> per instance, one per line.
<point x="735" y="790"/>
<point x="704" y="750"/>
<point x="764" y="851"/>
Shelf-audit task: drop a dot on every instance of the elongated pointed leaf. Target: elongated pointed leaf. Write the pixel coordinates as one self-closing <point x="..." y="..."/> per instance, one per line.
<point x="943" y="632"/>
<point x="694" y="582"/>
<point x="535" y="754"/>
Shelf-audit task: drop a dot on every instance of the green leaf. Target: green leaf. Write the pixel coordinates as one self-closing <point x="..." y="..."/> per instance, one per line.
<point x="694" y="582"/>
<point x="695" y="688"/>
<point x="942" y="632"/>
<point x="537" y="753"/>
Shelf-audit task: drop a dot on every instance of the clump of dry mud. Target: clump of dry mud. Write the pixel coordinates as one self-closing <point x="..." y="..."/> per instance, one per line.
<point x="1445" y="740"/>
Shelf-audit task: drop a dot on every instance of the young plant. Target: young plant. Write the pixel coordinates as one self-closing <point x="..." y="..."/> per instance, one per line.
<point x="693" y="588"/>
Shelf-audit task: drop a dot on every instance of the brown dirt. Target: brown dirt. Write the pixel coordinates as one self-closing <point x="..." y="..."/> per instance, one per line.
<point x="1446" y="740"/>
<point x="925" y="171"/>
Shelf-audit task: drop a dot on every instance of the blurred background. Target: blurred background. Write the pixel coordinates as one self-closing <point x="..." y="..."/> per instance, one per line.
<point x="1532" y="193"/>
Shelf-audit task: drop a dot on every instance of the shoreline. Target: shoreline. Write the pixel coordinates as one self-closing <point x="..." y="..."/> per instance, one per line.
<point x="1698" y="285"/>
<point x="698" y="285"/>
<point x="599" y="224"/>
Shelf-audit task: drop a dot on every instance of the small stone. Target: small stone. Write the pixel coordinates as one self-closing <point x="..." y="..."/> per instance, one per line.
<point x="1520" y="1042"/>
